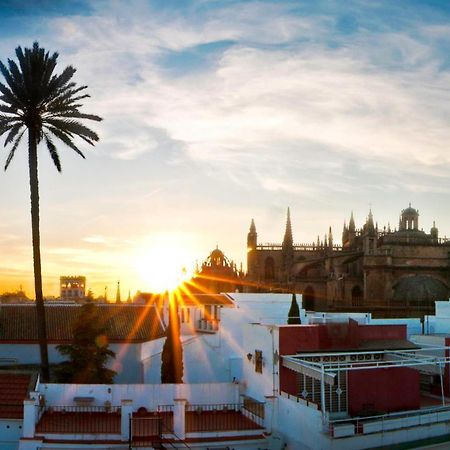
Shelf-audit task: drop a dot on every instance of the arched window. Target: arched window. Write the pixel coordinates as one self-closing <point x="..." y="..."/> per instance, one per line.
<point x="357" y="296"/>
<point x="269" y="269"/>
<point x="309" y="298"/>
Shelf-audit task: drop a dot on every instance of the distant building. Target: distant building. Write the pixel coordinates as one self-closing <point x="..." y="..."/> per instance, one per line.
<point x="217" y="274"/>
<point x="72" y="288"/>
<point x="395" y="272"/>
<point x="14" y="297"/>
<point x="129" y="329"/>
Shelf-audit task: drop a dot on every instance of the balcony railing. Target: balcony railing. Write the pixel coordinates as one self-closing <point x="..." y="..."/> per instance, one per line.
<point x="387" y="422"/>
<point x="208" y="325"/>
<point x="80" y="420"/>
<point x="222" y="417"/>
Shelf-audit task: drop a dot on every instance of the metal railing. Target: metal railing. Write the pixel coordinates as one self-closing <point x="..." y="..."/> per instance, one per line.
<point x="147" y="426"/>
<point x="80" y="420"/>
<point x="254" y="407"/>
<point x="145" y="431"/>
<point x="221" y="417"/>
<point x="210" y="325"/>
<point x="391" y="421"/>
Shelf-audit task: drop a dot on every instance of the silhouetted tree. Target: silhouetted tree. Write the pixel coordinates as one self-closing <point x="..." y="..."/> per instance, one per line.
<point x="294" y="312"/>
<point x="88" y="353"/>
<point x="46" y="105"/>
<point x="172" y="353"/>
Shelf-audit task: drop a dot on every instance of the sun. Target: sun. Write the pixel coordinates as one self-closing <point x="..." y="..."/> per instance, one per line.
<point x="163" y="262"/>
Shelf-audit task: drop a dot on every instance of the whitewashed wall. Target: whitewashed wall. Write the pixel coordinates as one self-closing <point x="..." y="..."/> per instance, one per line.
<point x="10" y="433"/>
<point x="127" y="363"/>
<point x="265" y="339"/>
<point x="265" y="308"/>
<point x="413" y="326"/>
<point x="145" y="395"/>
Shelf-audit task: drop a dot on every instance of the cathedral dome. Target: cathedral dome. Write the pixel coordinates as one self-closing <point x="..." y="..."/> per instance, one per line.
<point x="409" y="219"/>
<point x="410" y="211"/>
<point x="217" y="259"/>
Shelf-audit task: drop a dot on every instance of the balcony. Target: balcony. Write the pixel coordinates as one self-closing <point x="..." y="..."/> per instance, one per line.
<point x="382" y="423"/>
<point x="208" y="325"/>
<point x="96" y="420"/>
<point x="146" y="415"/>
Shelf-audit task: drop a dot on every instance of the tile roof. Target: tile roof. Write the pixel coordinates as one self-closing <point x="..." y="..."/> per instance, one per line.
<point x="124" y="323"/>
<point x="205" y="299"/>
<point x="14" y="389"/>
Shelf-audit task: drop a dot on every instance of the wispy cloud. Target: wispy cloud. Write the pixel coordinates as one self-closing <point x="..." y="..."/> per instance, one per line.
<point x="220" y="111"/>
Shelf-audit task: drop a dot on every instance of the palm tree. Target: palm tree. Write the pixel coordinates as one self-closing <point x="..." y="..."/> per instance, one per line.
<point x="46" y="105"/>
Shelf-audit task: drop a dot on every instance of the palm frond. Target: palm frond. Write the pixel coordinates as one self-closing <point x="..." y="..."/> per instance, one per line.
<point x="13" y="149"/>
<point x="61" y="80"/>
<point x="66" y="98"/>
<point x="53" y="152"/>
<point x="66" y="138"/>
<point x="5" y="128"/>
<point x="9" y="97"/>
<point x="12" y="133"/>
<point x="74" y="127"/>
<point x="8" y="109"/>
<point x="14" y="84"/>
<point x="78" y="115"/>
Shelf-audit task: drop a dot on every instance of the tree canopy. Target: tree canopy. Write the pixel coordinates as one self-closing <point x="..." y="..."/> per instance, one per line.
<point x="42" y="102"/>
<point x="88" y="353"/>
<point x="172" y="354"/>
<point x="294" y="312"/>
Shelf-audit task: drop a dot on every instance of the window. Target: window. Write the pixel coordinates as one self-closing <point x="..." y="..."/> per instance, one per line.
<point x="258" y="361"/>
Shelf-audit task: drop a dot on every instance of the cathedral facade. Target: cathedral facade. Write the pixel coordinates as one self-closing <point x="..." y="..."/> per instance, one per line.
<point x="386" y="272"/>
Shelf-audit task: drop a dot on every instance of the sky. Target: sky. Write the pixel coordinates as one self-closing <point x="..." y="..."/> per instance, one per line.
<point x="217" y="112"/>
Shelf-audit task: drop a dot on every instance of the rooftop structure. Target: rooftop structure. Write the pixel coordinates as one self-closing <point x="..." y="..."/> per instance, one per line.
<point x="72" y="287"/>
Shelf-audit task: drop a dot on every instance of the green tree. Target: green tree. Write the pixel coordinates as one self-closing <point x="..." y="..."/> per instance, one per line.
<point x="88" y="353"/>
<point x="46" y="105"/>
<point x="294" y="312"/>
<point x="172" y="353"/>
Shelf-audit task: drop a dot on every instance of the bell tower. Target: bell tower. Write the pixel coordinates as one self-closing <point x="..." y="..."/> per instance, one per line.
<point x="252" y="243"/>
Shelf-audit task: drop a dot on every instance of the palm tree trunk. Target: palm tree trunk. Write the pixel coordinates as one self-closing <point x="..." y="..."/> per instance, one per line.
<point x="34" y="195"/>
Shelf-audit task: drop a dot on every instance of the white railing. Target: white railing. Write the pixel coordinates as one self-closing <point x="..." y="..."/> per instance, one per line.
<point x="208" y="325"/>
<point x="387" y="422"/>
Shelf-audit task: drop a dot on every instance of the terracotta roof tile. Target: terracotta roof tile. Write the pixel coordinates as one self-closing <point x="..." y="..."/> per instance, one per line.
<point x="205" y="299"/>
<point x="13" y="391"/>
<point x="128" y="323"/>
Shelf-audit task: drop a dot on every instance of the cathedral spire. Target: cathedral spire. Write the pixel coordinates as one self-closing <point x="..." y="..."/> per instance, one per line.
<point x="351" y="224"/>
<point x="287" y="247"/>
<point x="369" y="223"/>
<point x="252" y="237"/>
<point x="344" y="234"/>
<point x="118" y="293"/>
<point x="288" y="241"/>
<point x="330" y="238"/>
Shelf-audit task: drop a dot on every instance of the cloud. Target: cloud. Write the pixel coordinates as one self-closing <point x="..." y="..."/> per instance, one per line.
<point x="218" y="111"/>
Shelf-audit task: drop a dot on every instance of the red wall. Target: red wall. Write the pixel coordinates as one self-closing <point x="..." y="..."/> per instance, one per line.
<point x="342" y="336"/>
<point x="288" y="381"/>
<point x="385" y="390"/>
<point x="446" y="370"/>
<point x="367" y="332"/>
